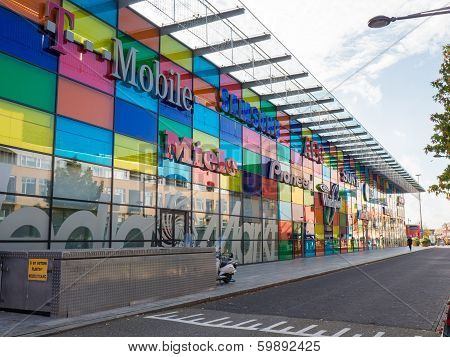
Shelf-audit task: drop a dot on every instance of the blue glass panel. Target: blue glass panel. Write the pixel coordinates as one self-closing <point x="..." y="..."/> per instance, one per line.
<point x="284" y="211"/>
<point x="134" y="121"/>
<point x="80" y="141"/>
<point x="173" y="170"/>
<point x="24" y="39"/>
<point x="317" y="138"/>
<point x="251" y="183"/>
<point x="296" y="143"/>
<point x="174" y="113"/>
<point x="207" y="71"/>
<point x="206" y="120"/>
<point x="326" y="172"/>
<point x="230" y="131"/>
<point x="104" y="9"/>
<point x="135" y="96"/>
<point x="232" y="152"/>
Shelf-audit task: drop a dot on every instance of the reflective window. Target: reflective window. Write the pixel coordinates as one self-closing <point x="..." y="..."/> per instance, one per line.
<point x="135" y="155"/>
<point x="252" y="244"/>
<point x="270" y="240"/>
<point x="270" y="208"/>
<point x="252" y="206"/>
<point x="176" y="52"/>
<point x="230" y="202"/>
<point x="24" y="172"/>
<point x="206" y="199"/>
<point x="174" y="194"/>
<point x="134" y="188"/>
<point x="138" y="28"/>
<point x="205" y="230"/>
<point x="80" y="225"/>
<point x="81" y="181"/>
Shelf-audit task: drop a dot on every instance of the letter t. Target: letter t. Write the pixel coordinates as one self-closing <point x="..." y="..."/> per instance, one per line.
<point x="61" y="14"/>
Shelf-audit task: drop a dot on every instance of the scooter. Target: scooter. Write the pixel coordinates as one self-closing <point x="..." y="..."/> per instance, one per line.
<point x="226" y="267"/>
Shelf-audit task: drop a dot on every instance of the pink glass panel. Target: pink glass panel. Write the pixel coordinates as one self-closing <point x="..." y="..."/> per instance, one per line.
<point x="233" y="86"/>
<point x="251" y="140"/>
<point x="269" y="148"/>
<point x="86" y="67"/>
<point x="205" y="178"/>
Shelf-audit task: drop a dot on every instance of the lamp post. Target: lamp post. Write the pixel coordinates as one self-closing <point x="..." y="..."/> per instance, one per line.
<point x="383" y="21"/>
<point x="420" y="206"/>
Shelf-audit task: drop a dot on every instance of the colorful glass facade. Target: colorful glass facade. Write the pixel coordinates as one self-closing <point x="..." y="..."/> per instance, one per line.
<point x="82" y="154"/>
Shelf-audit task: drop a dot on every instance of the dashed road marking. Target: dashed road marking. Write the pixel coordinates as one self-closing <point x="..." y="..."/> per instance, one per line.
<point x="226" y="322"/>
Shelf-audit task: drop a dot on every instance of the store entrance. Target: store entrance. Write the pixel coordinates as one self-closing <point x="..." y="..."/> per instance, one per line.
<point x="174" y="228"/>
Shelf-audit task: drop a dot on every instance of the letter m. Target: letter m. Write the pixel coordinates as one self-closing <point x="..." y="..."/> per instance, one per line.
<point x="124" y="70"/>
<point x="180" y="150"/>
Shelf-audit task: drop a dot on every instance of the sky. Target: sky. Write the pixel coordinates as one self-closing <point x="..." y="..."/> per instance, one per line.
<point x="392" y="96"/>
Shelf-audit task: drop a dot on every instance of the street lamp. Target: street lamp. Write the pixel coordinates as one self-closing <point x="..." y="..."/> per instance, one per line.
<point x="383" y="21"/>
<point x="420" y="206"/>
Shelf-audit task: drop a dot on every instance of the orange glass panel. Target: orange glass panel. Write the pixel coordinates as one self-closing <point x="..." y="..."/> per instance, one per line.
<point x="206" y="94"/>
<point x="284" y="230"/>
<point x="138" y="28"/>
<point x="85" y="104"/>
<point x="31" y="9"/>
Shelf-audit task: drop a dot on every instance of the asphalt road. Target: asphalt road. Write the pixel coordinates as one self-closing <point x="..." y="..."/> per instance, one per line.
<point x="402" y="296"/>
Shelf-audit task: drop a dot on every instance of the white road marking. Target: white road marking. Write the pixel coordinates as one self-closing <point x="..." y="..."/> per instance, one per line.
<point x="274" y="325"/>
<point x="159" y="315"/>
<point x="357" y="335"/>
<point x="319" y="333"/>
<point x="379" y="334"/>
<point x="340" y="333"/>
<point x="244" y="323"/>
<point x="287" y="329"/>
<point x="210" y="322"/>
<point x="190" y="316"/>
<point x="306" y="329"/>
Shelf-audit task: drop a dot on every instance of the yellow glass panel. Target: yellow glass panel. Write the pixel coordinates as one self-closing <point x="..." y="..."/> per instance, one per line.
<point x="284" y="192"/>
<point x="319" y="230"/>
<point x="135" y="155"/>
<point x="26" y="128"/>
<point x="251" y="97"/>
<point x="209" y="143"/>
<point x="336" y="232"/>
<point x="231" y="183"/>
<point x="297" y="195"/>
<point x="317" y="181"/>
<point x="306" y="133"/>
<point x="87" y="27"/>
<point x="176" y="52"/>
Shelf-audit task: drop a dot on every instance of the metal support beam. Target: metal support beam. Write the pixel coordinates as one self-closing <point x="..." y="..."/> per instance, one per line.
<point x="344" y="135"/>
<point x="226" y="45"/>
<point x="273" y="80"/>
<point x="342" y="128"/>
<point x="290" y="93"/>
<point x="251" y="64"/>
<point x="317" y="114"/>
<point x="356" y="140"/>
<point x="200" y="21"/>
<point x="304" y="104"/>
<point x="320" y="123"/>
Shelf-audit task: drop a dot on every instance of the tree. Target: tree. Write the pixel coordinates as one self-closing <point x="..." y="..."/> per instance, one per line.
<point x="440" y="141"/>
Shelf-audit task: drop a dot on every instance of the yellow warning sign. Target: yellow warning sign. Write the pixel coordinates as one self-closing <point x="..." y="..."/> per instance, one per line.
<point x="38" y="269"/>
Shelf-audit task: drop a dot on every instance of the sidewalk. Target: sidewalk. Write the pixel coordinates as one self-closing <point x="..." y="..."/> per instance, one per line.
<point x="249" y="278"/>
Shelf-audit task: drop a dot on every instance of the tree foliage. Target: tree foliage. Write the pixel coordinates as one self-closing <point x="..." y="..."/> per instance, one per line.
<point x="440" y="141"/>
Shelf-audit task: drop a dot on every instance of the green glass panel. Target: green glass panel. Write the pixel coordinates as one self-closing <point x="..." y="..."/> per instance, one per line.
<point x="252" y="162"/>
<point x="283" y="153"/>
<point x="183" y="131"/>
<point x="27" y="84"/>
<point x="285" y="192"/>
<point x="209" y="142"/>
<point x="134" y="155"/>
<point x="268" y="108"/>
<point x="144" y="54"/>
<point x="285" y="250"/>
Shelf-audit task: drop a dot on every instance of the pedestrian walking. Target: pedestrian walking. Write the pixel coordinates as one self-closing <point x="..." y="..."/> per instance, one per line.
<point x="410" y="243"/>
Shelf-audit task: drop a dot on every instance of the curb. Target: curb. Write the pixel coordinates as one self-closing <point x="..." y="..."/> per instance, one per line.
<point x="116" y="314"/>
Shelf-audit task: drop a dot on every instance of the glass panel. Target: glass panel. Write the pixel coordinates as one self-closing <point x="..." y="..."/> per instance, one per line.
<point x="231" y="233"/>
<point x="78" y="224"/>
<point x="85" y="67"/>
<point x="80" y="141"/>
<point x="80" y="181"/>
<point x="232" y="85"/>
<point x="206" y="199"/>
<point x="134" y="188"/>
<point x="32" y="9"/>
<point x="252" y="241"/>
<point x="23" y="219"/>
<point x="134" y="121"/>
<point x="24" y="172"/>
<point x="270" y="208"/>
<point x="27" y="84"/>
<point x="252" y="206"/>
<point x="251" y="140"/>
<point x="270" y="240"/>
<point x="284" y="191"/>
<point x="252" y="162"/>
<point x="285" y="210"/>
<point x="209" y="143"/>
<point x="176" y="52"/>
<point x="133" y="227"/>
<point x="251" y="97"/>
<point x="88" y="27"/>
<point x="138" y="28"/>
<point x="26" y="128"/>
<point x="270" y="189"/>
<point x="269" y="148"/>
<point x="77" y="101"/>
<point x="206" y="230"/>
<point x="251" y="183"/>
<point x="206" y="120"/>
<point x="232" y="151"/>
<point x="232" y="183"/>
<point x="135" y="155"/>
<point x="230" y="131"/>
<point x="230" y="203"/>
<point x="174" y="194"/>
<point x="206" y="94"/>
<point x="104" y="9"/>
<point x="206" y="71"/>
